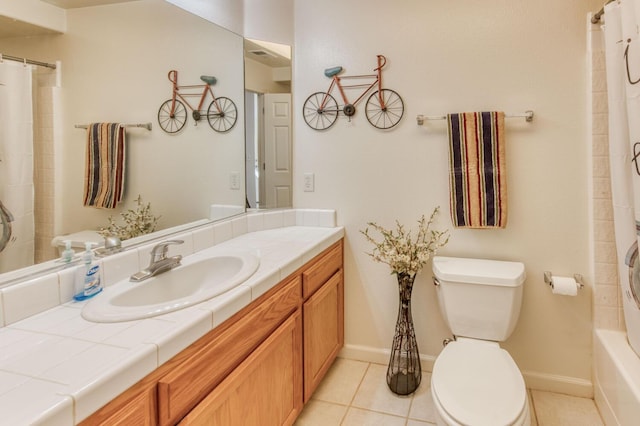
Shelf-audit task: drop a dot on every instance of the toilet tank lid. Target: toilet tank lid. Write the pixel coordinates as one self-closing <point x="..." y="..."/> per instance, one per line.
<point x="479" y="271"/>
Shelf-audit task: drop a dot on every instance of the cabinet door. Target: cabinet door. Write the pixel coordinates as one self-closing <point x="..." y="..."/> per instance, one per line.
<point x="323" y="318"/>
<point x="266" y="389"/>
<point x="181" y="389"/>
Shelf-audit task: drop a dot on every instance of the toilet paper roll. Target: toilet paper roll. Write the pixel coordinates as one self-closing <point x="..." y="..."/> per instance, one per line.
<point x="565" y="286"/>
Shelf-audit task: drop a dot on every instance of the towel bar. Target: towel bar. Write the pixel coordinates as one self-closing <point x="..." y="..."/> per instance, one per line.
<point x="144" y="125"/>
<point x="527" y="115"/>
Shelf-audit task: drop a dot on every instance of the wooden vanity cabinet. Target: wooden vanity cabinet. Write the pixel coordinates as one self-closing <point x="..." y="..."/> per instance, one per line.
<point x="323" y="316"/>
<point x="258" y="367"/>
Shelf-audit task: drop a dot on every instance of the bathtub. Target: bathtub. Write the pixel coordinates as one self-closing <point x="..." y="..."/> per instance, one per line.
<point x="616" y="378"/>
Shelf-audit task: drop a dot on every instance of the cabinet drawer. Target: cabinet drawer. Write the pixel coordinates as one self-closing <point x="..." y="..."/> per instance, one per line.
<point x="181" y="389"/>
<point x="315" y="276"/>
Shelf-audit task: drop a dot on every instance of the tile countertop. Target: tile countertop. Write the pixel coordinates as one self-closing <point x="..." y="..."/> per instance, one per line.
<point x="57" y="368"/>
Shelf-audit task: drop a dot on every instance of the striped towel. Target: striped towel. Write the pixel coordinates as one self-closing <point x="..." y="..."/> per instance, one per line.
<point x="478" y="180"/>
<point x="104" y="176"/>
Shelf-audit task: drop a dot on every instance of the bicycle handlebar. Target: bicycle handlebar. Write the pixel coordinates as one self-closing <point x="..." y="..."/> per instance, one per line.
<point x="382" y="59"/>
<point x="173" y="76"/>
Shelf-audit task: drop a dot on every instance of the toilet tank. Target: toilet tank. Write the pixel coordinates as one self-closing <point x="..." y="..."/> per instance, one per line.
<point x="479" y="298"/>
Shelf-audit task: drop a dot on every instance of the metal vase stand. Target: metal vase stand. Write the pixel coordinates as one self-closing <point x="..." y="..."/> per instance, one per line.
<point x="404" y="372"/>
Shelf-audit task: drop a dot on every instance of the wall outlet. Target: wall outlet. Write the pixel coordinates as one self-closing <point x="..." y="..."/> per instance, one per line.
<point x="309" y="182"/>
<point x="234" y="180"/>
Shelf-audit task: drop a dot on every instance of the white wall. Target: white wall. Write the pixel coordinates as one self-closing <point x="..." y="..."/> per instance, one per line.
<point x="269" y="20"/>
<point x="35" y="12"/>
<point x="115" y="60"/>
<point x="226" y="13"/>
<point x="451" y="57"/>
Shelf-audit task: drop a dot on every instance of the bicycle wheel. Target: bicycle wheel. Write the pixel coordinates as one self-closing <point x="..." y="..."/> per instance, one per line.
<point x="172" y="123"/>
<point x="222" y="114"/>
<point x="317" y="117"/>
<point x="390" y="115"/>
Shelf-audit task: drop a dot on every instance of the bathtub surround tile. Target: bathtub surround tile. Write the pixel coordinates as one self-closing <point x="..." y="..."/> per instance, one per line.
<point x="557" y="409"/>
<point x="411" y="422"/>
<point x="25" y="299"/>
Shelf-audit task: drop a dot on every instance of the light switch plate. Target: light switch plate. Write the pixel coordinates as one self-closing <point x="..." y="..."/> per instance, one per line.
<point x="309" y="182"/>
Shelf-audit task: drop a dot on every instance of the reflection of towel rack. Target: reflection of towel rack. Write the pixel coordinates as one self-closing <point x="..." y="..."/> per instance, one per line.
<point x="144" y="125"/>
<point x="527" y="115"/>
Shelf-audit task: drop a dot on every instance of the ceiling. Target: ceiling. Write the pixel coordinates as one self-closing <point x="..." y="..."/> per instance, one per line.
<point x="265" y="54"/>
<point x="10" y="27"/>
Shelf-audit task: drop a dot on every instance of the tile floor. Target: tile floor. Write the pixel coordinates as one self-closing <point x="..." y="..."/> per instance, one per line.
<point x="355" y="393"/>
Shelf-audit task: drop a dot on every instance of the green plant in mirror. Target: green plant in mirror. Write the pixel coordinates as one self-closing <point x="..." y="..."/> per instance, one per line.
<point x="138" y="221"/>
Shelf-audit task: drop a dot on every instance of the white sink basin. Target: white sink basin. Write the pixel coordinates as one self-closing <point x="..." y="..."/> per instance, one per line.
<point x="196" y="280"/>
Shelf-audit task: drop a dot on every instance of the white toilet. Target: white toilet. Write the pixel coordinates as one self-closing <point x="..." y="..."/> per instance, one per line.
<point x="475" y="382"/>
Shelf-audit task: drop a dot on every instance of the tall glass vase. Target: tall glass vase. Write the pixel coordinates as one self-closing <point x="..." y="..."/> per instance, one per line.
<point x="404" y="373"/>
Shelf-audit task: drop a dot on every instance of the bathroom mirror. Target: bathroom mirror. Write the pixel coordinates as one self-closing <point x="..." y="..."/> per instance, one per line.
<point x="268" y="115"/>
<point x="114" y="60"/>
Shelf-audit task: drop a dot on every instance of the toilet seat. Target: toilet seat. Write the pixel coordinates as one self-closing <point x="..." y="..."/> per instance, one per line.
<point x="477" y="383"/>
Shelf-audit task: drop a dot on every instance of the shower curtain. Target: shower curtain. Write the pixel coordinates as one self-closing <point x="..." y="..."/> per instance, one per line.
<point x="622" y="52"/>
<point x="16" y="162"/>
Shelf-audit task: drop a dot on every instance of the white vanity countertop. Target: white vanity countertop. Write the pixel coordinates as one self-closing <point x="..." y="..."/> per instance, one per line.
<point x="57" y="368"/>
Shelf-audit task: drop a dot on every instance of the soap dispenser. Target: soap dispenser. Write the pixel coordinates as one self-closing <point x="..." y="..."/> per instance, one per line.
<point x="87" y="279"/>
<point x="68" y="253"/>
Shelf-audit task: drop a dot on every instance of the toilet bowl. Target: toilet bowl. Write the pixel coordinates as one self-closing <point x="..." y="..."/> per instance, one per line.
<point x="477" y="383"/>
<point x="474" y="381"/>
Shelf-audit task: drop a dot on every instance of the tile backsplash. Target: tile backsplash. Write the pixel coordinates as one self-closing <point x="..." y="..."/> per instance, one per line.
<point x="27" y="298"/>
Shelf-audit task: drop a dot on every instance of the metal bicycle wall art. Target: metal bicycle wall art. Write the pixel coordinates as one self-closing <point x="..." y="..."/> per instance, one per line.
<point x="384" y="107"/>
<point x="221" y="114"/>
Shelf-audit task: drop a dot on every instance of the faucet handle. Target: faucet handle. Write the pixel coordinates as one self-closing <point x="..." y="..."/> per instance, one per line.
<point x="159" y="251"/>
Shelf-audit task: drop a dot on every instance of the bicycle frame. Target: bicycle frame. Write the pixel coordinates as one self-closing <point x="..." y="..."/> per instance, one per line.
<point x="335" y="82"/>
<point x="173" y="77"/>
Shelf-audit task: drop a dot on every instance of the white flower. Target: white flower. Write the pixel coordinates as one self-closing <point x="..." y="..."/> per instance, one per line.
<point x="400" y="252"/>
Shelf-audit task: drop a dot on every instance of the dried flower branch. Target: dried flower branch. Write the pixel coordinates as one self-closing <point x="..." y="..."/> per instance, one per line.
<point x="398" y="250"/>
<point x="137" y="222"/>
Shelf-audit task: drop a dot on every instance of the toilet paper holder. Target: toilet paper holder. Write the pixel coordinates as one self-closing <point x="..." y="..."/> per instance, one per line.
<point x="548" y="278"/>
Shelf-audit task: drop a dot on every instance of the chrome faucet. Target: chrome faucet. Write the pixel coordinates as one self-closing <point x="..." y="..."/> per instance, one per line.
<point x="159" y="261"/>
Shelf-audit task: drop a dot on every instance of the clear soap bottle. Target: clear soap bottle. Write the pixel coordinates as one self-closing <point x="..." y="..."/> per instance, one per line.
<point x="87" y="280"/>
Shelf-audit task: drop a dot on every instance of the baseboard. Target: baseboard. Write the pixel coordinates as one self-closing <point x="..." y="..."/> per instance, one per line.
<point x="559" y="384"/>
<point x="379" y="356"/>
<point x="533" y="380"/>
